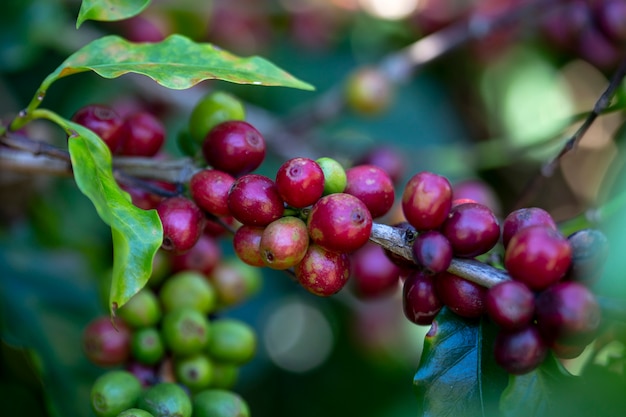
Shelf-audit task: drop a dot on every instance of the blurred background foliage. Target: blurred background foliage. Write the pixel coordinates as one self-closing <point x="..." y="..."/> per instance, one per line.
<point x="494" y="109"/>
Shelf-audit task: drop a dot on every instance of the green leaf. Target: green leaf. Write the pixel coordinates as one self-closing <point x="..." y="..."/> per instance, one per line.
<point x="457" y="376"/>
<point x="537" y="393"/>
<point x="137" y="234"/>
<point x="108" y="10"/>
<point x="177" y="63"/>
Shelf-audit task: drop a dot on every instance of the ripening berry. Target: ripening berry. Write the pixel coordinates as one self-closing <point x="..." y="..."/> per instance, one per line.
<point x="284" y="242"/>
<point x="323" y="272"/>
<point x="426" y="200"/>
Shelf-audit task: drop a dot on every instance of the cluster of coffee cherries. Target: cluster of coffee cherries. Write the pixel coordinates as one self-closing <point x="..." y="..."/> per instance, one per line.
<point x="547" y="303"/>
<point x="170" y="341"/>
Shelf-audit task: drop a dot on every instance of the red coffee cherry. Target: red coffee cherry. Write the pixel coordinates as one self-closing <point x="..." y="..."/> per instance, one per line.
<point x="420" y="301"/>
<point x="463" y="297"/>
<point x="105" y="344"/>
<point x="472" y="229"/>
<point x="525" y="217"/>
<point x="323" y="272"/>
<point x="104" y="122"/>
<point x="373" y="274"/>
<point x="247" y="242"/>
<point x="284" y="242"/>
<point x="538" y="256"/>
<point x="510" y="304"/>
<point x="426" y="200"/>
<point x="433" y="251"/>
<point x="235" y="147"/>
<point x="340" y="222"/>
<point x="372" y="186"/>
<point x="183" y="223"/>
<point x="202" y="257"/>
<point x="145" y="135"/>
<point x="209" y="189"/>
<point x="300" y="182"/>
<point x="254" y="200"/>
<point x="520" y="351"/>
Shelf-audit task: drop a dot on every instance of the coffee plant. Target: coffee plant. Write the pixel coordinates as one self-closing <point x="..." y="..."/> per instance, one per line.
<point x="431" y="224"/>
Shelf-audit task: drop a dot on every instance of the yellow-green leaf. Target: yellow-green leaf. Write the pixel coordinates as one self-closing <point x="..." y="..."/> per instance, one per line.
<point x="137" y="234"/>
<point x="108" y="10"/>
<point x="177" y="63"/>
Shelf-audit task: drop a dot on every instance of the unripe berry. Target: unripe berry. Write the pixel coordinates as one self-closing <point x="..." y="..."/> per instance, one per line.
<point x="284" y="242"/>
<point x="334" y="175"/>
<point x="368" y="91"/>
<point x="213" y="109"/>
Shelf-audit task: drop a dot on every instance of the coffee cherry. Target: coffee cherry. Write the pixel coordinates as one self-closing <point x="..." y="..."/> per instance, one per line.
<point x="213" y="109"/>
<point x="334" y="175"/>
<point x="141" y="310"/>
<point x="368" y="91"/>
<point x="188" y="289"/>
<point x="525" y="217"/>
<point x="209" y="189"/>
<point x="219" y="403"/>
<point x="145" y="135"/>
<point x="247" y="244"/>
<point x="590" y="248"/>
<point x="225" y="375"/>
<point x="254" y="200"/>
<point x="104" y="122"/>
<point x="146" y="374"/>
<point x="147" y="345"/>
<point x="195" y="372"/>
<point x="432" y="250"/>
<point x="472" y="229"/>
<point x="520" y="351"/>
<point x="478" y="192"/>
<point x="114" y="392"/>
<point x="135" y="412"/>
<point x="323" y="272"/>
<point x="232" y="341"/>
<point x="185" y="331"/>
<point x="387" y="159"/>
<point x="340" y="222"/>
<point x="235" y="147"/>
<point x="420" y="302"/>
<point x="538" y="256"/>
<point x="182" y="223"/>
<point x="372" y="186"/>
<point x="165" y="399"/>
<point x="300" y="182"/>
<point x="510" y="304"/>
<point x="284" y="242"/>
<point x="567" y="312"/>
<point x="373" y="274"/>
<point x="610" y="15"/>
<point x="426" y="200"/>
<point x="463" y="297"/>
<point x="234" y="282"/>
<point x="105" y="344"/>
<point x="214" y="228"/>
<point x="202" y="257"/>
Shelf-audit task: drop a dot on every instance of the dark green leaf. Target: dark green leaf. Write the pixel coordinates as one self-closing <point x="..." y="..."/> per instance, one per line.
<point x="108" y="10"/>
<point x="457" y="376"/>
<point x="137" y="234"/>
<point x="177" y="63"/>
<point x="536" y="393"/>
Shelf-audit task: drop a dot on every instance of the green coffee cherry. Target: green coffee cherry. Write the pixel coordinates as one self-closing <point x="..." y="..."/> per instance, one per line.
<point x="135" y="412"/>
<point x="114" y="392"/>
<point x="219" y="403"/>
<point x="335" y="178"/>
<point x="232" y="341"/>
<point x="185" y="331"/>
<point x="188" y="289"/>
<point x="195" y="372"/>
<point x="235" y="281"/>
<point x="368" y="91"/>
<point x="146" y="345"/>
<point x="211" y="110"/>
<point x="225" y="375"/>
<point x="142" y="310"/>
<point x="165" y="400"/>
